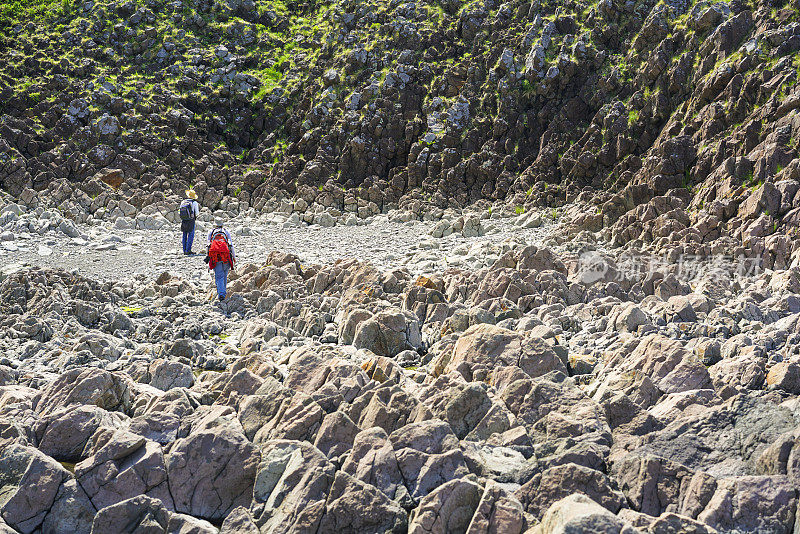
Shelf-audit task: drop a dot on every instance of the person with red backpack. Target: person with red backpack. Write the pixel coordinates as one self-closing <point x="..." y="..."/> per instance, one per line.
<point x="220" y="256"/>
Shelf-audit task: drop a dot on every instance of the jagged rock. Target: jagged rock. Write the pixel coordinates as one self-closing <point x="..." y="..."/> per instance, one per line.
<point x="652" y="484"/>
<point x="239" y="521"/>
<point x="497" y="511"/>
<point x="211" y="485"/>
<point x="629" y="319"/>
<point x="449" y="508"/>
<point x="668" y="364"/>
<point x="145" y="514"/>
<point x="388" y="333"/>
<point x="165" y="374"/>
<point x="63" y="434"/>
<point x="428" y="455"/>
<point x="785" y="376"/>
<point x="336" y="434"/>
<point x="292" y="485"/>
<point x="578" y="513"/>
<point x="137" y="514"/>
<point x="354" y="506"/>
<point x="558" y="482"/>
<point x="40" y="494"/>
<point x="372" y="460"/>
<point x="552" y="407"/>
<point x="484" y="347"/>
<point x="120" y="465"/>
<point x="667" y="522"/>
<point x="750" y="503"/>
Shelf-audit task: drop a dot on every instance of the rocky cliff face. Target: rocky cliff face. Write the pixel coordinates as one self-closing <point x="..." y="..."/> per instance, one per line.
<point x="384" y="103"/>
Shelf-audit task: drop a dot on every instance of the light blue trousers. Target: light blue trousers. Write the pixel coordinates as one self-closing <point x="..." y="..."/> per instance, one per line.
<point x="221" y="278"/>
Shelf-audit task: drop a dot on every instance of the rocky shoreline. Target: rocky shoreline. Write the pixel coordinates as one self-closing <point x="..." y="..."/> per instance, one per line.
<point x="506" y="266"/>
<point x="526" y="390"/>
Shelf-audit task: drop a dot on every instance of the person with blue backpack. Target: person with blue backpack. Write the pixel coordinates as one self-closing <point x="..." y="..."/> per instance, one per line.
<point x="189" y="211"/>
<point x="220" y="256"/>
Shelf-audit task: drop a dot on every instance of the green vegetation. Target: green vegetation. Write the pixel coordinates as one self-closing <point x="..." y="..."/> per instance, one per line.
<point x="219" y="338"/>
<point x="69" y="466"/>
<point x="243" y="103"/>
<point x="13" y="12"/>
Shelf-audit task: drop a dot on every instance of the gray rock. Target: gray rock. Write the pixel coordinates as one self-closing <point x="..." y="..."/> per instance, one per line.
<point x="121" y="465"/>
<point x="135" y="515"/>
<point x="556" y="483"/>
<point x="63" y="434"/>
<point x="38" y="493"/>
<point x="292" y="486"/>
<point x="497" y="511"/>
<point x="484" y="347"/>
<point x="354" y="506"/>
<point x="427" y="455"/>
<point x="372" y="460"/>
<point x="579" y="513"/>
<point x="109" y="391"/>
<point x="211" y="471"/>
<point x="388" y="333"/>
<point x="447" y="509"/>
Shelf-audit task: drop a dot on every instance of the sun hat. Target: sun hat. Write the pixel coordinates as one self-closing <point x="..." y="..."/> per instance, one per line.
<point x="218" y="221"/>
<point x="191" y="194"/>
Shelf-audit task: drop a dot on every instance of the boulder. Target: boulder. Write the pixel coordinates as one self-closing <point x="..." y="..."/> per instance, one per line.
<point x="372" y="460"/>
<point x="82" y="386"/>
<point x="497" y="511"/>
<point x="121" y="465"/>
<point x="751" y="504"/>
<point x="579" y="513"/>
<point x="63" y="434"/>
<point x="553" y="407"/>
<point x="555" y="483"/>
<point x="427" y="455"/>
<point x="239" y="521"/>
<point x="669" y="365"/>
<point x="38" y="494"/>
<point x="447" y="509"/>
<point x="212" y="470"/>
<point x="486" y="347"/>
<point x="291" y="487"/>
<point x="138" y="514"/>
<point x="388" y="333"/>
<point x="166" y="374"/>
<point x="785" y="376"/>
<point x="354" y="506"/>
<point x="336" y="434"/>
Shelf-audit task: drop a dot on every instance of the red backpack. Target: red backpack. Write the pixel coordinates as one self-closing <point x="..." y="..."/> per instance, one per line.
<point x="219" y="251"/>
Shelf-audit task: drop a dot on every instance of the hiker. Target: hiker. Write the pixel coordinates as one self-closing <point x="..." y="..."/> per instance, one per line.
<point x="221" y="257"/>
<point x="189" y="212"/>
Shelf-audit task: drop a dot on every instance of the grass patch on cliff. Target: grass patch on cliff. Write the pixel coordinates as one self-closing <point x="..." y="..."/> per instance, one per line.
<point x="270" y="78"/>
<point x="21" y="11"/>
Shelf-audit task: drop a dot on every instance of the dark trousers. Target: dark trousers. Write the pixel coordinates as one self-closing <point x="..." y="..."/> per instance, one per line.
<point x="187" y="227"/>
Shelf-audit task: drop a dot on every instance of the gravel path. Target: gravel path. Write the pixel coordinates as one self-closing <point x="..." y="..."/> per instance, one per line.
<point x="118" y="254"/>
